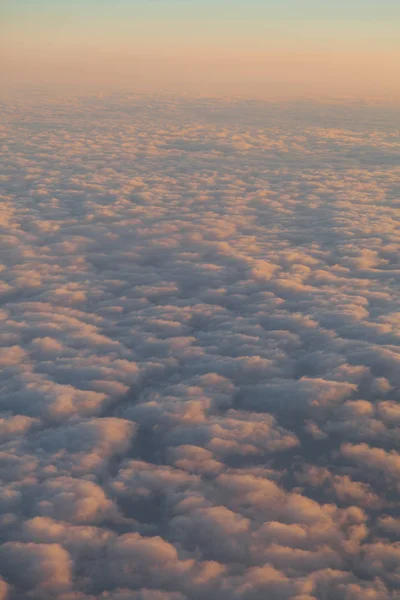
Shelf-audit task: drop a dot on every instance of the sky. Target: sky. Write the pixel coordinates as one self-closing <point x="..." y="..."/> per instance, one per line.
<point x="294" y="47"/>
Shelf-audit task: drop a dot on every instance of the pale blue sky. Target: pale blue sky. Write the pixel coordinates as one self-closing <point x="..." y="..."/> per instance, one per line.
<point x="362" y="30"/>
<point x="226" y="12"/>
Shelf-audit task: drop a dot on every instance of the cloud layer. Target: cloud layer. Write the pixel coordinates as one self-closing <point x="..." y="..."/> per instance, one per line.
<point x="200" y="350"/>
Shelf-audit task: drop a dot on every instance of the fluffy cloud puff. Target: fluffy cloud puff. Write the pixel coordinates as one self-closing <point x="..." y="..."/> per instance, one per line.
<point x="200" y="350"/>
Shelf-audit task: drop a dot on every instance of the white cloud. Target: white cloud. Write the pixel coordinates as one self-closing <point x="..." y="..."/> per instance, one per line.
<point x="199" y="352"/>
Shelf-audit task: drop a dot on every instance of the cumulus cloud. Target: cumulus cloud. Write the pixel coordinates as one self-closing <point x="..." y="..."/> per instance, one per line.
<point x="200" y="350"/>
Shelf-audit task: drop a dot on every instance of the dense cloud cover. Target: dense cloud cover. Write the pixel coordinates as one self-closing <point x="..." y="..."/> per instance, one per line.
<point x="199" y="358"/>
